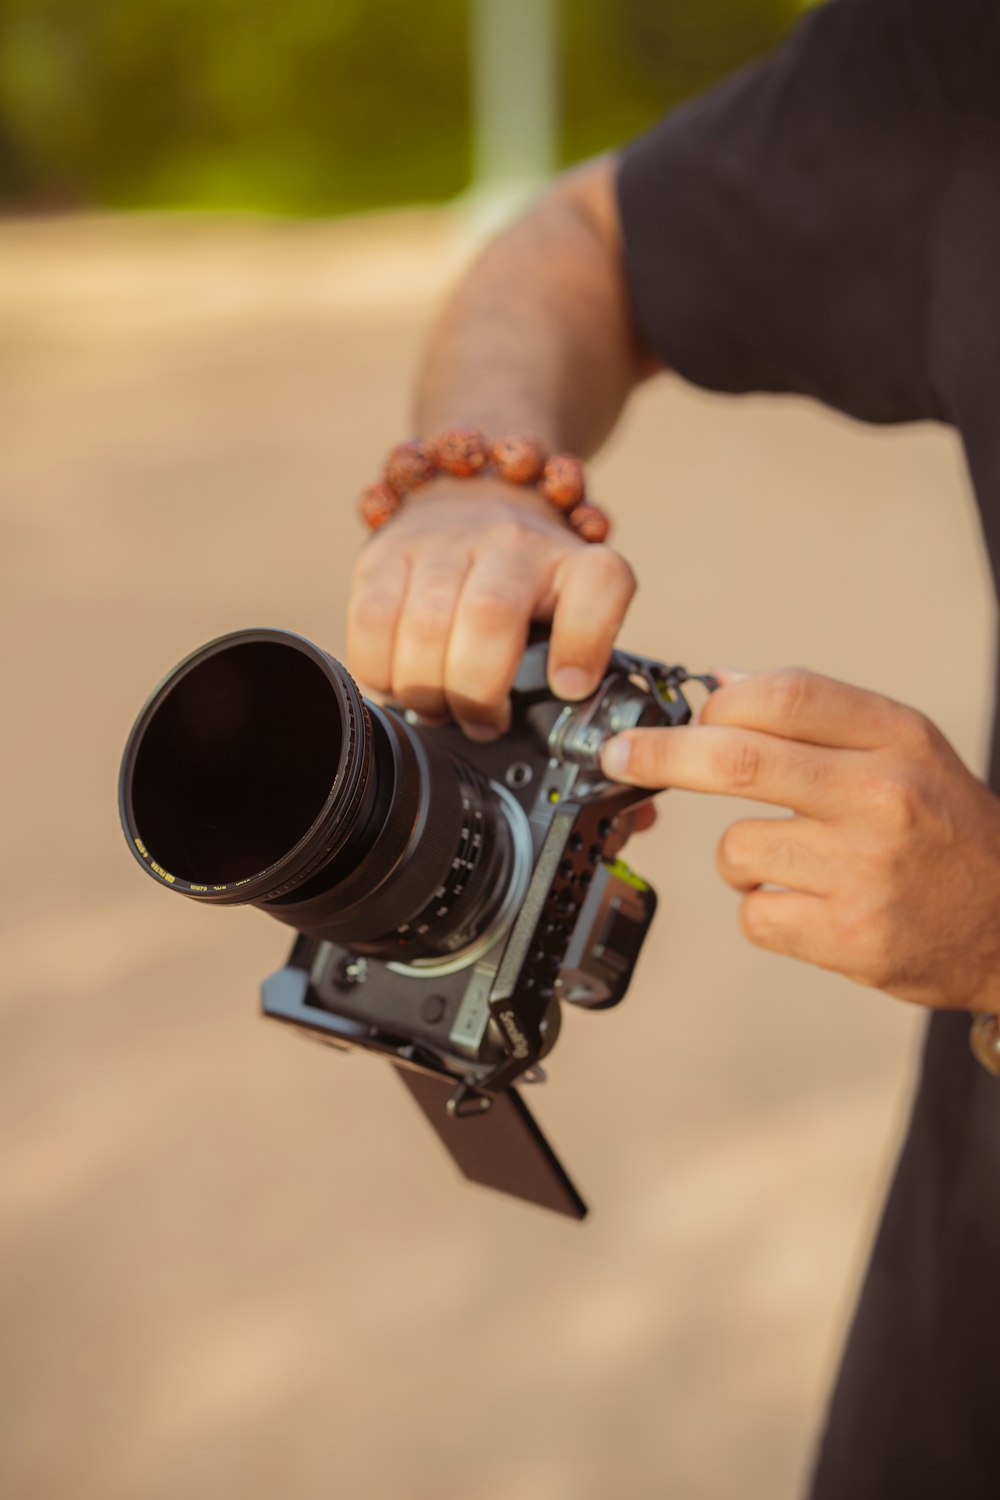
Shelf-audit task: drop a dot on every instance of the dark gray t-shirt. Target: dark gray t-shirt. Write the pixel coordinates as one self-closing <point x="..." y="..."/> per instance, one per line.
<point x="828" y="222"/>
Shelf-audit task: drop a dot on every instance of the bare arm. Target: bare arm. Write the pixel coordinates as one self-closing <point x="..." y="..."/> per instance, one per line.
<point x="537" y="338"/>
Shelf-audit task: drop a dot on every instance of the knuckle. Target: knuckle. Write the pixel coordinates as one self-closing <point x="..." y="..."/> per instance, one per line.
<point x="880" y="863"/>
<point x="368" y="565"/>
<point x="789" y="854"/>
<point x="863" y="937"/>
<point x="738" y="761"/>
<point x="492" y="609"/>
<point x="886" y="863"/>
<point x="429" y="617"/>
<point x="918" y="735"/>
<point x="792" y="690"/>
<point x="649" y="757"/>
<point x="512" y="535"/>
<point x="733" y="852"/>
<point x="610" y="568"/>
<point x="899" y="800"/>
<point x="754" y="923"/>
<point x="872" y="966"/>
<point x="808" y="768"/>
<point x="373" y="611"/>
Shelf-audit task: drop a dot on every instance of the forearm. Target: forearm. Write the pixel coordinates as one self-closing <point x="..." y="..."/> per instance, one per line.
<point x="538" y="336"/>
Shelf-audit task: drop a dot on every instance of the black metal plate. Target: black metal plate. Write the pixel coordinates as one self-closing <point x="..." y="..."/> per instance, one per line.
<point x="502" y="1148"/>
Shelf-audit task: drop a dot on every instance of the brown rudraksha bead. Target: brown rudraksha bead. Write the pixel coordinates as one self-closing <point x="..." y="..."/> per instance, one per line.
<point x="590" y="522"/>
<point x="518" y="458"/>
<point x="378" y="504"/>
<point x="562" y="481"/>
<point x="409" y="465"/>
<point x="462" y="451"/>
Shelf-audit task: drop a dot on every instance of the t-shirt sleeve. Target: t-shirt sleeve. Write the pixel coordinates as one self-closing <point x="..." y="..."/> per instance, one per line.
<point x="779" y="231"/>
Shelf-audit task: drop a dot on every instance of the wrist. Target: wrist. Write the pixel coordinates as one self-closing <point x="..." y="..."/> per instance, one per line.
<point x="449" y="488"/>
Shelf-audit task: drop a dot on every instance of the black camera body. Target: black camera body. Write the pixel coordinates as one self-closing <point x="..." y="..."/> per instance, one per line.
<point x="450" y="897"/>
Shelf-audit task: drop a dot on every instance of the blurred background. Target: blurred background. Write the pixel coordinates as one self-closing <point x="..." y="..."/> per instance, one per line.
<point x="323" y="106"/>
<point x="234" y="1264"/>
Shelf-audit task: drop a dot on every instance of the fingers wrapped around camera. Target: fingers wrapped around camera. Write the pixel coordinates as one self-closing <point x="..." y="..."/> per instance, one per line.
<point x="442" y="602"/>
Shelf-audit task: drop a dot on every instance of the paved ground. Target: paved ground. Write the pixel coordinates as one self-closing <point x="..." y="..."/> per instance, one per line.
<point x="235" y="1265"/>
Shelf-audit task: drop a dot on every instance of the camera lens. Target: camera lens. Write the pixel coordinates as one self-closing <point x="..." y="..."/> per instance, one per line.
<point x="257" y="773"/>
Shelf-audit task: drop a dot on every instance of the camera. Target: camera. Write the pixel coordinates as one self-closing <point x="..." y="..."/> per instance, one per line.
<point x="449" y="897"/>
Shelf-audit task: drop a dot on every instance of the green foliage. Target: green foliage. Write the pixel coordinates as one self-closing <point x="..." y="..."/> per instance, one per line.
<point x="627" y="61"/>
<point x="314" y="105"/>
<point x="299" y="105"/>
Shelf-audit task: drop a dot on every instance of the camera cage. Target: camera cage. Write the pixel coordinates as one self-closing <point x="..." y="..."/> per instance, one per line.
<point x="549" y="775"/>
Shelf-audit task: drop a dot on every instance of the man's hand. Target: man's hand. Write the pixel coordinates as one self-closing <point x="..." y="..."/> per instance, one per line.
<point x="887" y="871"/>
<point x="444" y="594"/>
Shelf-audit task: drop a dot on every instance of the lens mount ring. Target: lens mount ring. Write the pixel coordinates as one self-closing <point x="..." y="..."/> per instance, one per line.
<point x="333" y="821"/>
<point x="520" y="877"/>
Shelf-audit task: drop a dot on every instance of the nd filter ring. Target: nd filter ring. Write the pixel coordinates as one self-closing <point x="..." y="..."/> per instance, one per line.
<point x="332" y="822"/>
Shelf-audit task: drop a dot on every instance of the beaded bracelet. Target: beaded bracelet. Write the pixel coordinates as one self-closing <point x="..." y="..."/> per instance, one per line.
<point x="464" y="452"/>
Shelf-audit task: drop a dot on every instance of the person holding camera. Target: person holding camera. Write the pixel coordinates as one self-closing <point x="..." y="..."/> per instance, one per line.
<point x="826" y="222"/>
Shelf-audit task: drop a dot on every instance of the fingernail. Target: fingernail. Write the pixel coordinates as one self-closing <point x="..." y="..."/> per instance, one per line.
<point x="615" y="758"/>
<point x="482" y="734"/>
<point x="724" y="675"/>
<point x="572" y="682"/>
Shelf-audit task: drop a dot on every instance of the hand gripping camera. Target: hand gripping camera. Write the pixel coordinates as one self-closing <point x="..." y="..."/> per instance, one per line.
<point x="448" y="897"/>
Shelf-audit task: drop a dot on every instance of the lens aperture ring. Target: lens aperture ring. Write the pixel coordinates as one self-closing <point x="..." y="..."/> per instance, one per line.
<point x="470" y="886"/>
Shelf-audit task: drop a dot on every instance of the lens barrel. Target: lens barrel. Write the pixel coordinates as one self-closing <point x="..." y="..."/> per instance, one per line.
<point x="257" y="774"/>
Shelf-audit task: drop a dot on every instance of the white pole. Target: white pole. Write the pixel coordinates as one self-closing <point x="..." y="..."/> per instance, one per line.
<point x="515" y="92"/>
